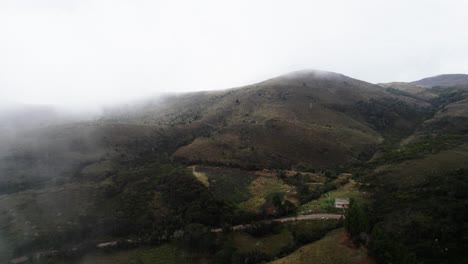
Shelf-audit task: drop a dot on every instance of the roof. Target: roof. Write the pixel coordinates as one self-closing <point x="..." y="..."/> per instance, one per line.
<point x="342" y="200"/>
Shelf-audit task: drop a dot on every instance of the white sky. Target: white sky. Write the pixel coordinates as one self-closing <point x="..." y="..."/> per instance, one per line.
<point x="87" y="52"/>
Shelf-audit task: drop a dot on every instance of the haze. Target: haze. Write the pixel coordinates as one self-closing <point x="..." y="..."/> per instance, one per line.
<point x="87" y="53"/>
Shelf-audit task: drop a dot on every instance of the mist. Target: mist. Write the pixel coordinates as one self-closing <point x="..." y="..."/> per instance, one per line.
<point x="85" y="54"/>
<point x="101" y="130"/>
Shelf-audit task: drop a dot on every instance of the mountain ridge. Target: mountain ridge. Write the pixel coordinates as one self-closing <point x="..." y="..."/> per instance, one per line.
<point x="443" y="80"/>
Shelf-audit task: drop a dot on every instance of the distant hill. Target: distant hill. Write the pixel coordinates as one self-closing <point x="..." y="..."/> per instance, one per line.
<point x="443" y="80"/>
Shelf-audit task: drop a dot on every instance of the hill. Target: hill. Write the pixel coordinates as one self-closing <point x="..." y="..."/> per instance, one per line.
<point x="419" y="187"/>
<point x="319" y="118"/>
<point x="447" y="80"/>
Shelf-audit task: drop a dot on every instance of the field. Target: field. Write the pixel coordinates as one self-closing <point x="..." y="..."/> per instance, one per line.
<point x="262" y="189"/>
<point x="326" y="201"/>
<point x="333" y="248"/>
<point x="270" y="245"/>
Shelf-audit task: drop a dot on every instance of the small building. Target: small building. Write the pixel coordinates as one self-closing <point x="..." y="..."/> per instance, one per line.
<point x="342" y="202"/>
<point x="19" y="260"/>
<point x="107" y="244"/>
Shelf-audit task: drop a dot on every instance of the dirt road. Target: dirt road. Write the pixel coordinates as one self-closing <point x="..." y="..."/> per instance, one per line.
<point x="285" y="219"/>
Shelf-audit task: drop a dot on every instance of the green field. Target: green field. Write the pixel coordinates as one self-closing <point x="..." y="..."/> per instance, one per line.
<point x="326" y="201"/>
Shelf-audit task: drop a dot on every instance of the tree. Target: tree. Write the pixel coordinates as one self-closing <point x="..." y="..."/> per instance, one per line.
<point x="277" y="200"/>
<point x="356" y="221"/>
<point x="288" y="207"/>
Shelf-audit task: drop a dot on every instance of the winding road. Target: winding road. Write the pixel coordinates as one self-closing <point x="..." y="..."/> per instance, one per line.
<point x="285" y="219"/>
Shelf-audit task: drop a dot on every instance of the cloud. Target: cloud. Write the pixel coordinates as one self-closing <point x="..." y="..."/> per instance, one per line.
<point x="94" y="52"/>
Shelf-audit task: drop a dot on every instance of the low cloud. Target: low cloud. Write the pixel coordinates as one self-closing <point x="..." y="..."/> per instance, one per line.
<point x="84" y="54"/>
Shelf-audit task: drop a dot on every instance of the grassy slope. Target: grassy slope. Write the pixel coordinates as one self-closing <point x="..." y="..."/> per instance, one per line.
<point x="414" y="172"/>
<point x="275" y="243"/>
<point x="333" y="248"/>
<point x="420" y="203"/>
<point x="230" y="185"/>
<point x="270" y="245"/>
<point x="307" y="116"/>
<point x="420" y="188"/>
<point x="411" y="89"/>
<point x="49" y="213"/>
<point x="264" y="130"/>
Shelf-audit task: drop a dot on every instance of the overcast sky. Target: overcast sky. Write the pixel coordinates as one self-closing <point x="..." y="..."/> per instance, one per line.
<point x="87" y="52"/>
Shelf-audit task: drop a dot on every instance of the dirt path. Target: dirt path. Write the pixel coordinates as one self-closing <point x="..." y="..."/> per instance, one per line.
<point x="284" y="219"/>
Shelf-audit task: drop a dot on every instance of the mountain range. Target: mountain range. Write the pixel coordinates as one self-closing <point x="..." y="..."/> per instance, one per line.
<point x="125" y="173"/>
